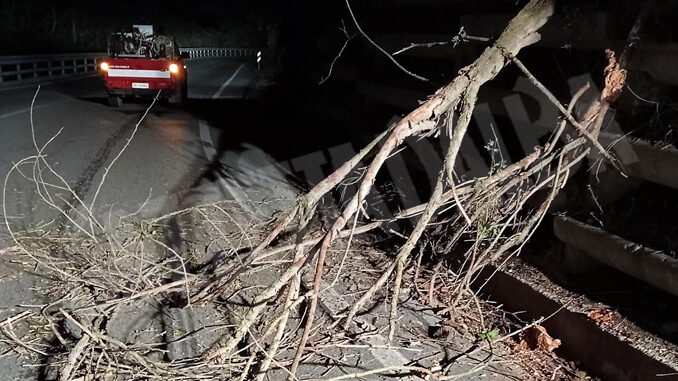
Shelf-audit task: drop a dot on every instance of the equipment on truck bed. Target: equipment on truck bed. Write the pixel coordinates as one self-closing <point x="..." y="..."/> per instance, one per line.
<point x="141" y="43"/>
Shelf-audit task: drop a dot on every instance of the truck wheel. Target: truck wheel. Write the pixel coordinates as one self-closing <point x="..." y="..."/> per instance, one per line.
<point x="179" y="98"/>
<point x="175" y="99"/>
<point x="114" y="101"/>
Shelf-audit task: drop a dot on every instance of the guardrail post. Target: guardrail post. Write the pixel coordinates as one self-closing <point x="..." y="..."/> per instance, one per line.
<point x="63" y="67"/>
<point x="19" y="76"/>
<point x="35" y="70"/>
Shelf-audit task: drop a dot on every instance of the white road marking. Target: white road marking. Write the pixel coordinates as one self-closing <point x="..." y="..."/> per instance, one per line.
<point x="211" y="152"/>
<point x="7" y="115"/>
<point x="228" y="82"/>
<point x="211" y="155"/>
<point x="205" y="137"/>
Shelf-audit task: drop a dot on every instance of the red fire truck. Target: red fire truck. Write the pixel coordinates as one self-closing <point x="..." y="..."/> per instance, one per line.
<point x="141" y="64"/>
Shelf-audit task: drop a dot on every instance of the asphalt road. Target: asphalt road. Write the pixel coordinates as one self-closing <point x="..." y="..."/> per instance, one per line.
<point x="174" y="158"/>
<point x="170" y="154"/>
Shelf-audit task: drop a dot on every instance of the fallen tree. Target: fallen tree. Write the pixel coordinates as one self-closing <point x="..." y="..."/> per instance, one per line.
<point x="478" y="222"/>
<point x="496" y="200"/>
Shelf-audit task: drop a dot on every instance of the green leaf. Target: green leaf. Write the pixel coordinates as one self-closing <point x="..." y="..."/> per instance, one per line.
<point x="489" y="335"/>
<point x="493" y="334"/>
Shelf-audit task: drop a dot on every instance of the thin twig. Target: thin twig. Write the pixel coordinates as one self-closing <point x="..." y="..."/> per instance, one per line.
<point x="341" y="51"/>
<point x="390" y="57"/>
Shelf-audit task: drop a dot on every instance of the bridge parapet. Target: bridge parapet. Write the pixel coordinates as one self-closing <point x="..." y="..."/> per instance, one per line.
<point x="47" y="66"/>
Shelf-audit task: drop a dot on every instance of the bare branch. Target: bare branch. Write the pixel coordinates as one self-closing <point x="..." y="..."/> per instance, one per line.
<point x="341" y="51"/>
<point x="461" y="36"/>
<point x="390" y="57"/>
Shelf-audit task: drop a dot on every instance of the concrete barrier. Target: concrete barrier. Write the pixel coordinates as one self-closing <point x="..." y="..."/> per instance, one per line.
<point x="621" y="351"/>
<point x="647" y="161"/>
<point x="640" y="262"/>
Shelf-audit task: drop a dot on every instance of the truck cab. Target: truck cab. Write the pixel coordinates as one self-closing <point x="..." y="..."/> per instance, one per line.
<point x="143" y="64"/>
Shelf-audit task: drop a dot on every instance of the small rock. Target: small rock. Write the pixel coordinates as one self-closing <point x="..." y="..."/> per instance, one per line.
<point x="72" y="330"/>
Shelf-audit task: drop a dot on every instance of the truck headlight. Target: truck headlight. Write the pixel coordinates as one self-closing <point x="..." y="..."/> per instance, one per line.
<point x="104" y="66"/>
<point x="173" y="68"/>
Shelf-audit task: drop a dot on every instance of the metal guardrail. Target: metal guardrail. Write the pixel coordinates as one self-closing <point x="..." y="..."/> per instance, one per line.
<point x="46" y="66"/>
<point x="17" y="68"/>
<point x="219" y="52"/>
